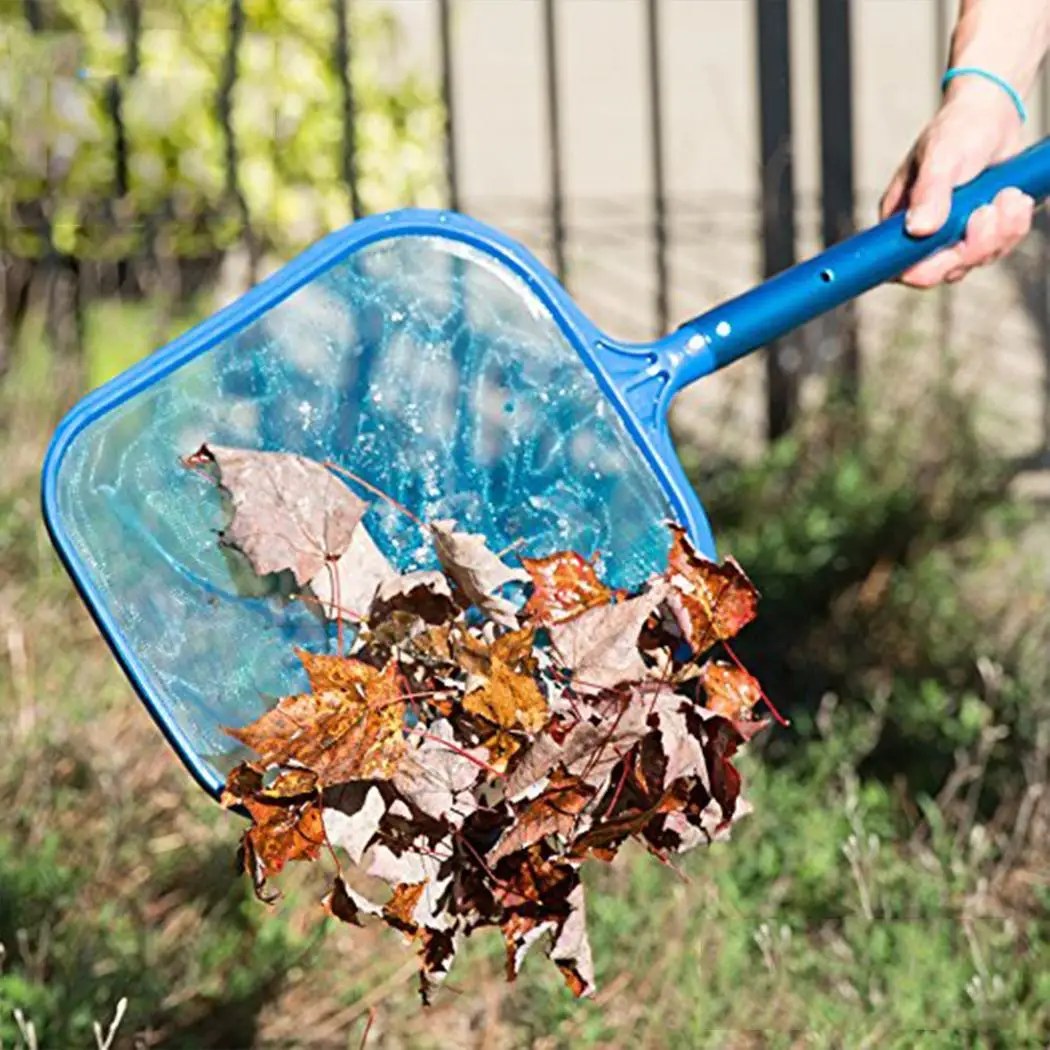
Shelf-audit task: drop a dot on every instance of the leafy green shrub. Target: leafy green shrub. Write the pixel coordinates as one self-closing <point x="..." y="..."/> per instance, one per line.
<point x="886" y="554"/>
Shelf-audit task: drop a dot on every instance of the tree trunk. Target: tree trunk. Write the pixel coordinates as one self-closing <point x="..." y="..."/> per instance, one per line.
<point x="64" y="327"/>
<point x="16" y="276"/>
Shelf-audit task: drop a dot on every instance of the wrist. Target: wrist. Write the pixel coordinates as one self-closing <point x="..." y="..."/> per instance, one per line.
<point x="987" y="101"/>
<point x="1009" y="38"/>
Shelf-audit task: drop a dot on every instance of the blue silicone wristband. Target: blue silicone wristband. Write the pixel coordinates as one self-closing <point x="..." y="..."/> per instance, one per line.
<point x="975" y="71"/>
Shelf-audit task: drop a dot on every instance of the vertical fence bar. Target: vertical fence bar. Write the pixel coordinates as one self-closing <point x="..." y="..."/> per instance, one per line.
<point x="777" y="199"/>
<point x="448" y="99"/>
<point x="224" y="112"/>
<point x="34" y="15"/>
<point x="656" y="141"/>
<point x="63" y="312"/>
<point x="836" y="168"/>
<point x="557" y="202"/>
<point x="341" y="58"/>
<point x="132" y="26"/>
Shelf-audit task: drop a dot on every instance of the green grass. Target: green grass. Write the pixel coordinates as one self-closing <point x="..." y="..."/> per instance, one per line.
<point x="887" y="890"/>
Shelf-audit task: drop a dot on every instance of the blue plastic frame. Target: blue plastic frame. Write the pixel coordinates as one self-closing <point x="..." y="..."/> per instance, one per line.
<point x="615" y="365"/>
<point x="640" y="380"/>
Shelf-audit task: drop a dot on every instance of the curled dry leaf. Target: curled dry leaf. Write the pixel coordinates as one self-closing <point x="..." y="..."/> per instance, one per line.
<point x="730" y="690"/>
<point x="711" y="602"/>
<point x="474" y="763"/>
<point x="423" y="594"/>
<point x="477" y="571"/>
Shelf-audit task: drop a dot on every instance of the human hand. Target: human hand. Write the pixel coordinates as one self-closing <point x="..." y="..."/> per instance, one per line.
<point x="976" y="126"/>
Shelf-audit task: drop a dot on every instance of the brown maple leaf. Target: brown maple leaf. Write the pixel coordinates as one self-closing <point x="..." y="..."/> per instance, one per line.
<point x="529" y="879"/>
<point x="540" y="895"/>
<point x="340" y="734"/>
<point x="398" y="911"/>
<point x="564" y="585"/>
<point x="600" y="646"/>
<point x="436" y="955"/>
<point x="711" y="602"/>
<point x="289" y="512"/>
<point x="724" y="738"/>
<point x="509" y="702"/>
<point x="571" y="950"/>
<point x="555" y="812"/>
<point x="279" y="833"/>
<point x="605" y="836"/>
<point x="423" y="594"/>
<point x="243" y="781"/>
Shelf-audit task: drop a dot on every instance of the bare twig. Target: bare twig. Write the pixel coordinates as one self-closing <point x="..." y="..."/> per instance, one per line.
<point x="106" y="1042"/>
<point x="368" y="1027"/>
<point x="25" y="1027"/>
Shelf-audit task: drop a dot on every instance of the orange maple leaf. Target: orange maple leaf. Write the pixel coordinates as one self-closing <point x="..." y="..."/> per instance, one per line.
<point x="341" y="734"/>
<point x="564" y="585"/>
<point x="508" y="702"/>
<point x="711" y="602"/>
<point x="731" y="691"/>
<point x="399" y="909"/>
<point x="278" y="834"/>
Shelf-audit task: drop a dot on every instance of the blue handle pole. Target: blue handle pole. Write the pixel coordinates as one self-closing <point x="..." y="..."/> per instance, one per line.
<point x="843" y="272"/>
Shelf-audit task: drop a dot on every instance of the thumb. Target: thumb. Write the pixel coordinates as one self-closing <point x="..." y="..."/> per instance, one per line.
<point x="930" y="199"/>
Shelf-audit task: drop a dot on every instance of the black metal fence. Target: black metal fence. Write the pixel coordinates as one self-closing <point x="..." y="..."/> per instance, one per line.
<point x="69" y="276"/>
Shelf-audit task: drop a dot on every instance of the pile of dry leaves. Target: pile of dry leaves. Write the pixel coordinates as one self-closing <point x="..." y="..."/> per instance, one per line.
<point x="470" y="753"/>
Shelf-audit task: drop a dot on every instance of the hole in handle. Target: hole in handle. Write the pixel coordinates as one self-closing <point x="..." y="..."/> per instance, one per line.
<point x="827" y="276"/>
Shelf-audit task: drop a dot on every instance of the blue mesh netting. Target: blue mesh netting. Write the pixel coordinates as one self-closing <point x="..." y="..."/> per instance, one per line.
<point x="420" y="364"/>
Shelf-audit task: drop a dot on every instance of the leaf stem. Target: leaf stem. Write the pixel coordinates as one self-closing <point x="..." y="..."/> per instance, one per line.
<point x="375" y="491"/>
<point x="765" y="699"/>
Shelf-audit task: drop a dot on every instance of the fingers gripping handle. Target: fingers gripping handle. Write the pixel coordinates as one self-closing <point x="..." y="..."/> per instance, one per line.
<point x="843" y="272"/>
